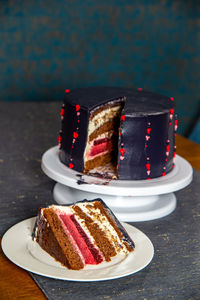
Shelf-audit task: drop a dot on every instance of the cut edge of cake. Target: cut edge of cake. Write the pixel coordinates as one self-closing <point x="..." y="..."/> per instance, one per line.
<point x="103" y="136"/>
<point x="81" y="234"/>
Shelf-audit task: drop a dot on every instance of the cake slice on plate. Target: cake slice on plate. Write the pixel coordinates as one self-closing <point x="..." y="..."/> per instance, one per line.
<point x="85" y="233"/>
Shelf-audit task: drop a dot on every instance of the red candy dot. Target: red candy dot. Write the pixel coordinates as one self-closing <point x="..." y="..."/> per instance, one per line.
<point x="71" y="166"/>
<point x="172" y="99"/>
<point x="77" y="107"/>
<point x="171" y="111"/>
<point x="123" y="117"/>
<point x="148" y="166"/>
<point x="163" y="174"/>
<point x="140" y="89"/>
<point x="75" y="134"/>
<point x="59" y="139"/>
<point x="148" y="130"/>
<point x="122" y="151"/>
<point x="67" y="91"/>
<point x="62" y="111"/>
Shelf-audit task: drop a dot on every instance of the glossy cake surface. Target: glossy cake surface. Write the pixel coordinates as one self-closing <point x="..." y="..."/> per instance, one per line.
<point x="133" y="129"/>
<point x="86" y="233"/>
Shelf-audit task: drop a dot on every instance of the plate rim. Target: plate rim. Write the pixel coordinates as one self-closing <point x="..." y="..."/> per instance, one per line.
<point x="27" y="255"/>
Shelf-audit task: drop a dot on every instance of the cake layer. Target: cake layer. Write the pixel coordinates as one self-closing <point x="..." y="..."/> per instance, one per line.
<point x="104" y="115"/>
<point x="112" y="125"/>
<point x="98" y="161"/>
<point x="81" y="234"/>
<point x="61" y="246"/>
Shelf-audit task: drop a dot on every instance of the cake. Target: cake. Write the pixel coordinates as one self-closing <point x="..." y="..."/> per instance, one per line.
<point x="133" y="130"/>
<point x="85" y="233"/>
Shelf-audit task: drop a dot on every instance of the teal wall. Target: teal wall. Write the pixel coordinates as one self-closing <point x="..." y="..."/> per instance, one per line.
<point x="48" y="46"/>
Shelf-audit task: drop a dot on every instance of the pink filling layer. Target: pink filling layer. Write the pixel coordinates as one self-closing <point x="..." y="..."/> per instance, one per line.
<point x="91" y="255"/>
<point x="99" y="147"/>
<point x="96" y="149"/>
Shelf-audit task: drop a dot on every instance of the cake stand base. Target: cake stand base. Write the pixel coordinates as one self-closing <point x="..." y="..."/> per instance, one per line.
<point x="126" y="208"/>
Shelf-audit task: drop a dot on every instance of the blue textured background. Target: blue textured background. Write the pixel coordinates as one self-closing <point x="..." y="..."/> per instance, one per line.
<point x="48" y="46"/>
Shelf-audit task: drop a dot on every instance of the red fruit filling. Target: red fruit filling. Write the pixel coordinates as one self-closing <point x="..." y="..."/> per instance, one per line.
<point x="91" y="255"/>
<point x="100" y="147"/>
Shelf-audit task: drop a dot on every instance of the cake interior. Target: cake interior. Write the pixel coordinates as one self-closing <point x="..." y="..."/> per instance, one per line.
<point x="81" y="234"/>
<point x="103" y="136"/>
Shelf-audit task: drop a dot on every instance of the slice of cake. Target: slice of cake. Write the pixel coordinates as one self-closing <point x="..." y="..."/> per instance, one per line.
<point x="86" y="233"/>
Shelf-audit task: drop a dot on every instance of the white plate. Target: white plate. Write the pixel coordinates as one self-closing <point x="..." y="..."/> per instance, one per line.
<point x="17" y="245"/>
<point x="175" y="180"/>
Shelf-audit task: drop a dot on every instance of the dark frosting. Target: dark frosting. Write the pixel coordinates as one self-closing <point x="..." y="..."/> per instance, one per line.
<point x="146" y="143"/>
<point x="137" y="102"/>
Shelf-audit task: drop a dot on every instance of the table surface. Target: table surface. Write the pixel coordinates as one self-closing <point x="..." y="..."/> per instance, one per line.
<point x="16" y="283"/>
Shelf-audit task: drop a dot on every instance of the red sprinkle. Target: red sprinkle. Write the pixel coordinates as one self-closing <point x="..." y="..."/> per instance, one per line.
<point x="71" y="165"/>
<point x="75" y="134"/>
<point x="77" y="107"/>
<point x="67" y="91"/>
<point x="148" y="130"/>
<point x="172" y="99"/>
<point x="148" y="166"/>
<point x="62" y="111"/>
<point x="171" y="111"/>
<point x="122" y="151"/>
<point x="163" y="174"/>
<point x="123" y="117"/>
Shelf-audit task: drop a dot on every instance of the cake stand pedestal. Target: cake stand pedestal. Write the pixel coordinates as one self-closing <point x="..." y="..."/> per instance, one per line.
<point x="138" y="200"/>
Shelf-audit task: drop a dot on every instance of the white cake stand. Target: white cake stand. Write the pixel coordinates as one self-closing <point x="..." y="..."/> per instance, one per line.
<point x="138" y="200"/>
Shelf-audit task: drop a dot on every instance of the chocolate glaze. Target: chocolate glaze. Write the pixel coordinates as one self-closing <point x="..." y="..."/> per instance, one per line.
<point x="142" y="110"/>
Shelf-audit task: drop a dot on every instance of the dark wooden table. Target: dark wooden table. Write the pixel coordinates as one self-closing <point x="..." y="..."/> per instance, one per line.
<point x="16" y="283"/>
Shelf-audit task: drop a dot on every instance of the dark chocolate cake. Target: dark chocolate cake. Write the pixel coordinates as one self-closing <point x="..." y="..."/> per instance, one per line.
<point x="134" y="130"/>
